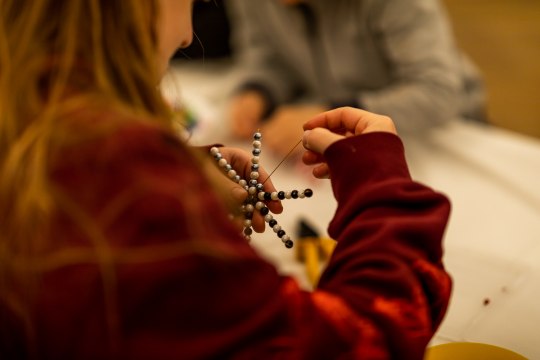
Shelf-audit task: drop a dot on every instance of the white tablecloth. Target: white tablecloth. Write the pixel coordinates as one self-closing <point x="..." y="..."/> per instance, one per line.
<point x="493" y="238"/>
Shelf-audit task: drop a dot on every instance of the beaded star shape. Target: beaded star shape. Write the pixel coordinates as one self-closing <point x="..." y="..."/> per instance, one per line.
<point x="257" y="198"/>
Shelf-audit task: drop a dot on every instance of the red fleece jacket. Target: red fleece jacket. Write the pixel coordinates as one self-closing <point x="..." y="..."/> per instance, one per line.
<point x="175" y="280"/>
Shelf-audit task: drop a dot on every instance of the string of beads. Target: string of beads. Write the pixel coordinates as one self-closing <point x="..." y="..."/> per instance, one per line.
<point x="257" y="197"/>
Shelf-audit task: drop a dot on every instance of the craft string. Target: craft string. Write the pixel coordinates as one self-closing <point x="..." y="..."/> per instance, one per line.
<point x="282" y="161"/>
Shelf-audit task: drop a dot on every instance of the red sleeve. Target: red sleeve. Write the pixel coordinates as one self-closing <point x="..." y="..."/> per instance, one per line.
<point x="178" y="281"/>
<point x="387" y="264"/>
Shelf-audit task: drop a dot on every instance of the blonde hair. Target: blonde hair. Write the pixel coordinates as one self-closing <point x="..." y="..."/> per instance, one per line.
<point x="57" y="56"/>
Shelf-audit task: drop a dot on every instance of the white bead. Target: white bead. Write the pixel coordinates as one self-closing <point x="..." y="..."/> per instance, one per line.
<point x="285" y="237"/>
<point x="231" y="173"/>
<point x="252" y="190"/>
<point x="259" y="205"/>
<point x="261" y="195"/>
<point x="276" y="228"/>
<point x="257" y="144"/>
<point x="254" y="175"/>
<point x="288" y="195"/>
<point x="242" y="183"/>
<point x="250" y="208"/>
<point x="268" y="218"/>
<point x="247" y="223"/>
<point x="214" y="151"/>
<point x="255" y="160"/>
<point x="222" y="162"/>
<point x="274" y="196"/>
<point x="301" y="195"/>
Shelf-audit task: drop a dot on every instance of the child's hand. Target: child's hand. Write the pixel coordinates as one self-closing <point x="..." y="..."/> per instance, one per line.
<point x="331" y="126"/>
<point x="240" y="160"/>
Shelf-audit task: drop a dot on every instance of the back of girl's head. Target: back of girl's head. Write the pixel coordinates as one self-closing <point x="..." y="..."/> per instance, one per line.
<point x="109" y="45"/>
<point x="51" y="50"/>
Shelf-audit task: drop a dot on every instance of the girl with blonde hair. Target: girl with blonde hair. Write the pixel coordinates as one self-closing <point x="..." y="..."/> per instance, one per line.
<point x="114" y="236"/>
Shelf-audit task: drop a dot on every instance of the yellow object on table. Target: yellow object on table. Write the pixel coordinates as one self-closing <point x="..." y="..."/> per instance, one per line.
<point x="470" y="351"/>
<point x="314" y="252"/>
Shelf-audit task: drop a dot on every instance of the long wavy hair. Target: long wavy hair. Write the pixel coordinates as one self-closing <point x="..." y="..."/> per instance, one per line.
<point x="57" y="56"/>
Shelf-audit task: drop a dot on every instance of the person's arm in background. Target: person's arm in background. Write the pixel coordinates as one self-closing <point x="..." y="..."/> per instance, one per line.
<point x="426" y="67"/>
<point x="265" y="80"/>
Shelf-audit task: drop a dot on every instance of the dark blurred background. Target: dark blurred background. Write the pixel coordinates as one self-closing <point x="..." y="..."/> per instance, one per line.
<point x="212" y="30"/>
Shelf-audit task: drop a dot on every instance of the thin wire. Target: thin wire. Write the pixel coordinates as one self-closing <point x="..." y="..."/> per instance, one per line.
<point x="281" y="162"/>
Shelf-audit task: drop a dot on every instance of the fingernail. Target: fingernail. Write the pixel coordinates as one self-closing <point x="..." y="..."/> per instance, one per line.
<point x="304" y="138"/>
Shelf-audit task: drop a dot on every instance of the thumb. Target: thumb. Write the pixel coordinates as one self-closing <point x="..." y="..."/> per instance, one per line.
<point x="238" y="194"/>
<point x="319" y="139"/>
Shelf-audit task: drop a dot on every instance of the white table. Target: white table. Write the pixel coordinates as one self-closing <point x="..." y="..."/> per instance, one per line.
<point x="492" y="243"/>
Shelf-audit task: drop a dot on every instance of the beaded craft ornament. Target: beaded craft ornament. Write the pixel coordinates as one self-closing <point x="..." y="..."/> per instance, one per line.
<point x="257" y="197"/>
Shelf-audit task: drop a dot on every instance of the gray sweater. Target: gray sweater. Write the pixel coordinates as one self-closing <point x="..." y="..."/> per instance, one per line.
<point x="393" y="57"/>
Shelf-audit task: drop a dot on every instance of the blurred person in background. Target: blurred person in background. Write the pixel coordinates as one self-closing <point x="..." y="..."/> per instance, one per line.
<point x="393" y="57"/>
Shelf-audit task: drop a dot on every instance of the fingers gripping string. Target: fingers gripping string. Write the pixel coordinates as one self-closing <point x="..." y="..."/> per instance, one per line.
<point x="257" y="198"/>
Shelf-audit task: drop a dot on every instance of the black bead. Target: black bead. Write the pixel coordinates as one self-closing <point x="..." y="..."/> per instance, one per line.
<point x="289" y="244"/>
<point x="228" y="167"/>
<point x="256" y="152"/>
<point x="248" y="215"/>
<point x="294" y="194"/>
<point x="280" y="233"/>
<point x="272" y="223"/>
<point x="255" y="167"/>
<point x="248" y="231"/>
<point x="253" y="182"/>
<point x="281" y="195"/>
<point x="260" y="187"/>
<point x="257" y="136"/>
<point x="264" y="211"/>
<point x="267" y="196"/>
<point x="308" y="192"/>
